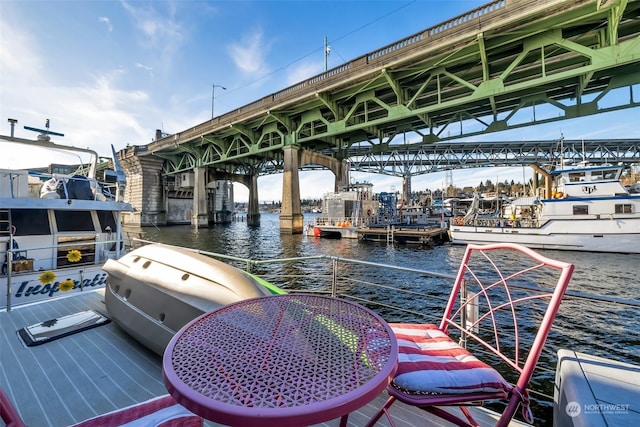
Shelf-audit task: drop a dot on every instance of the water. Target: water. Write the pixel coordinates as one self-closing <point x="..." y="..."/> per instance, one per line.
<point x="603" y="329"/>
<point x="612" y="275"/>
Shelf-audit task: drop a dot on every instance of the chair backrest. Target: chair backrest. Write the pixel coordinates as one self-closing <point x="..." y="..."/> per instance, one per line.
<point x="8" y="413"/>
<point x="505" y="298"/>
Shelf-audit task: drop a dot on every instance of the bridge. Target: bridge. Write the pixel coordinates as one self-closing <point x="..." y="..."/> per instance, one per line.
<point x="467" y="76"/>
<point x="416" y="159"/>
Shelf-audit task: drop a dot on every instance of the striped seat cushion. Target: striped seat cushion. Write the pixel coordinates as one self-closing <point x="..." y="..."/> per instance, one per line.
<point x="431" y="362"/>
<point x="161" y="411"/>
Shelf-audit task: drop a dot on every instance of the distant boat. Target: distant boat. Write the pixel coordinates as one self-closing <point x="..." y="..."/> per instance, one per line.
<point x="345" y="211"/>
<point x="584" y="208"/>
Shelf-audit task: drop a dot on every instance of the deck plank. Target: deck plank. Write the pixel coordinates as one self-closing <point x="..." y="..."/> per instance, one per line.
<point x="78" y="376"/>
<point x="99" y="370"/>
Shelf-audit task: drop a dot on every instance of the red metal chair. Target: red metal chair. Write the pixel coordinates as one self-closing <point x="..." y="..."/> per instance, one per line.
<point x="161" y="411"/>
<point x="503" y="303"/>
<point x="8" y="413"/>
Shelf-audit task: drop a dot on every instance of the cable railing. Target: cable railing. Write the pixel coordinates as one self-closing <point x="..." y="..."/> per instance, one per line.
<point x="409" y="295"/>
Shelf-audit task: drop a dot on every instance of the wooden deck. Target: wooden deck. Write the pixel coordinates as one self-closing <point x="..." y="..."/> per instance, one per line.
<point x="102" y="369"/>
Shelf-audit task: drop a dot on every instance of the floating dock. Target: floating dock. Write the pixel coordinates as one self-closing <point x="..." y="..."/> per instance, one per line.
<point x="425" y="236"/>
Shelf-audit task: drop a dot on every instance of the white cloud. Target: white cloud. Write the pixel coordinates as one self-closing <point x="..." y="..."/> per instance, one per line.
<point x="18" y="57"/>
<point x="158" y="31"/>
<point x="303" y="71"/>
<point x="250" y="53"/>
<point x="145" y="67"/>
<point x="107" y="22"/>
<point x="92" y="113"/>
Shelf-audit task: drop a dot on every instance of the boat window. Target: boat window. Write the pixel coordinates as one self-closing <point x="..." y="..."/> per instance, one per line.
<point x="85" y="245"/>
<point x="623" y="209"/>
<point x="580" y="209"/>
<point x="576" y="177"/>
<point x="107" y="219"/>
<point x="597" y="175"/>
<point x="610" y="174"/>
<point x="28" y="222"/>
<point x="74" y="221"/>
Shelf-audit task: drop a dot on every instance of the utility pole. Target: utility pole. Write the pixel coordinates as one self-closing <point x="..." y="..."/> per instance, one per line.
<point x="327" y="51"/>
<point x="213" y="95"/>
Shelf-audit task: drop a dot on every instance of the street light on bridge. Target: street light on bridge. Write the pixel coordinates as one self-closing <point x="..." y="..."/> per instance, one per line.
<point x="213" y="95"/>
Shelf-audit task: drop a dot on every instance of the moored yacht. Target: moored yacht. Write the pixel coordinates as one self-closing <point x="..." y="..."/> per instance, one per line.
<point x="57" y="228"/>
<point x="583" y="208"/>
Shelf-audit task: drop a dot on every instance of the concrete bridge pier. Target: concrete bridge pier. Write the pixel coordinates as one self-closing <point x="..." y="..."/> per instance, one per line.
<point x="291" y="212"/>
<point x="253" y="212"/>
<point x="291" y="219"/>
<point x="200" y="216"/>
<point x="144" y="188"/>
<point x="406" y="188"/>
<point x="340" y="168"/>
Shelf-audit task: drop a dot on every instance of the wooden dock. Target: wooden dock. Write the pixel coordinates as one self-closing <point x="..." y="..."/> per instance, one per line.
<point x="424" y="236"/>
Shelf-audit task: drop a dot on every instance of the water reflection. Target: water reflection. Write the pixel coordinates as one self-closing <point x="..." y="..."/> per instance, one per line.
<point x="598" y="328"/>
<point x="594" y="327"/>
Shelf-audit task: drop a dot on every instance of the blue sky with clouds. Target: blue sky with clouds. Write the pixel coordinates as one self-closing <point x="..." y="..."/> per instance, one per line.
<point x="111" y="72"/>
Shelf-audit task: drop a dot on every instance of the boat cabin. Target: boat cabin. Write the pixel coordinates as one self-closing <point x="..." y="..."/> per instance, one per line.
<point x="56" y="227"/>
<point x="585" y="180"/>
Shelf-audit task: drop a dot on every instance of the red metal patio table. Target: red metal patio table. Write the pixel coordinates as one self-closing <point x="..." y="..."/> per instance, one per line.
<point x="285" y="360"/>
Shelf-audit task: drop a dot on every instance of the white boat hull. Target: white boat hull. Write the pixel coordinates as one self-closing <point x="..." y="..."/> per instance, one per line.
<point x="332" y="231"/>
<point x="27" y="288"/>
<point x="612" y="235"/>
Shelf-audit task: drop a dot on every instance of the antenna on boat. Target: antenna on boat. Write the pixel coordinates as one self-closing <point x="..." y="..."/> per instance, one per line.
<point x="12" y="123"/>
<point x="561" y="151"/>
<point x="116" y="176"/>
<point x="44" y="133"/>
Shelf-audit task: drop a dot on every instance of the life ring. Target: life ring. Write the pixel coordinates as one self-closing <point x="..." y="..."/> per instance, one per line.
<point x="459" y="220"/>
<point x="368" y="212"/>
<point x="559" y="195"/>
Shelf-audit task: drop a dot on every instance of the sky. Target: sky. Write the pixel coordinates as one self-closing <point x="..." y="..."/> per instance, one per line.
<point x="112" y="72"/>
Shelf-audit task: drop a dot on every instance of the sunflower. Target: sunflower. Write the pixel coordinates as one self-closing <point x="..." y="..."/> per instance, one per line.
<point x="74" y="255"/>
<point x="66" y="285"/>
<point x="47" y="277"/>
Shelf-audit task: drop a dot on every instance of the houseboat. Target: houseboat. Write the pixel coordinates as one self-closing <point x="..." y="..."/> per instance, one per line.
<point x="344" y="212"/>
<point x="581" y="208"/>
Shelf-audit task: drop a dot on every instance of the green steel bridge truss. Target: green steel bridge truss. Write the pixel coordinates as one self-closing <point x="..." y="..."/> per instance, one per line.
<point x="505" y="65"/>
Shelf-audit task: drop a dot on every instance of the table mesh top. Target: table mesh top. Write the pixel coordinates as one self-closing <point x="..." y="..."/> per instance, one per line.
<point x="281" y="351"/>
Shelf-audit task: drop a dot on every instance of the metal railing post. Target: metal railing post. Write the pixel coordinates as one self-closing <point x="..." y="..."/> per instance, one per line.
<point x="334" y="279"/>
<point x="9" y="271"/>
<point x="463" y="314"/>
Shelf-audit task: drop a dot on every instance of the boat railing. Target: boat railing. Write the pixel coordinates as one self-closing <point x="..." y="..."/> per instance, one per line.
<point x="29" y="184"/>
<point x="72" y="254"/>
<point x="340" y="222"/>
<point x="76" y="252"/>
<point x="419" y="296"/>
<point x="14" y="184"/>
<point x="498" y="222"/>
